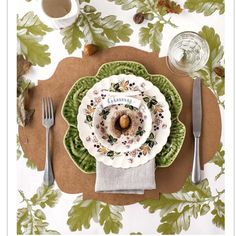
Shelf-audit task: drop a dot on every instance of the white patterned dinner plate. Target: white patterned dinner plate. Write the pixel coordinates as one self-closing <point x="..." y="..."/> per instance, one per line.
<point x="125" y="86"/>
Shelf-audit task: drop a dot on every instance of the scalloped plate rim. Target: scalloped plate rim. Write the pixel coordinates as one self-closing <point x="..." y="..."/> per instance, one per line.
<point x="99" y="70"/>
<point x="121" y="161"/>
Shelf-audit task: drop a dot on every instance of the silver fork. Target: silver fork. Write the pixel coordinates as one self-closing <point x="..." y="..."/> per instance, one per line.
<point x="48" y="122"/>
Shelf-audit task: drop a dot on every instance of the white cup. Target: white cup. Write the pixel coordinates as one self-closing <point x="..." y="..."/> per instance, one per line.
<point x="61" y="13"/>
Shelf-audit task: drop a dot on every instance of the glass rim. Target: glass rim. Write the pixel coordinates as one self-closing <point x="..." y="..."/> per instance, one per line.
<point x="190" y="32"/>
<point x="169" y="63"/>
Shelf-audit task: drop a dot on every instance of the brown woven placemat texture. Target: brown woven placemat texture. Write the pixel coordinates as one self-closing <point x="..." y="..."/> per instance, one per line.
<point x="68" y="176"/>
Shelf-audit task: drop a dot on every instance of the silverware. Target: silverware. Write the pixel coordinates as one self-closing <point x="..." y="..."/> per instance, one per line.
<point x="197" y="125"/>
<point x="48" y="122"/>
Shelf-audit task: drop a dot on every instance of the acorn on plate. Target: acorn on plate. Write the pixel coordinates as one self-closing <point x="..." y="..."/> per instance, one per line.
<point x="124" y="121"/>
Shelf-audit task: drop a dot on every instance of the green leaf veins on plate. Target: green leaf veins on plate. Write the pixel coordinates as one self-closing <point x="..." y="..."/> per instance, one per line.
<point x="207" y="7"/>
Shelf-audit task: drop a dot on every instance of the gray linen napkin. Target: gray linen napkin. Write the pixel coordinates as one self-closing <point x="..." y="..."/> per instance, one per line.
<point x="126" y="181"/>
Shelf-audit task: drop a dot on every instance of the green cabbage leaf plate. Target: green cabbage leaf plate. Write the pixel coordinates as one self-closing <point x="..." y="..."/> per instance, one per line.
<point x="74" y="145"/>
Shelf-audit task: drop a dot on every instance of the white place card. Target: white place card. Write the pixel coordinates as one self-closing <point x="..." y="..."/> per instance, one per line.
<point x="113" y="100"/>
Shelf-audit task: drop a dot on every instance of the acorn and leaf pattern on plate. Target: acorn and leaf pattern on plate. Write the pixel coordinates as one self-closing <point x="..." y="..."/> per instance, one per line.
<point x="127" y="141"/>
<point x="126" y="85"/>
<point x="157" y="111"/>
<point x="100" y="148"/>
<point x="115" y="124"/>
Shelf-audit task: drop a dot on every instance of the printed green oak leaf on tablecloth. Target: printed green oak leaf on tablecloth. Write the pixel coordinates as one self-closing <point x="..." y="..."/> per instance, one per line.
<point x="30" y="31"/>
<point x="91" y="27"/>
<point x="212" y="79"/>
<point x="83" y="211"/>
<point x="19" y="154"/>
<point x="81" y="1"/>
<point x="176" y="209"/>
<point x="219" y="160"/>
<point x="155" y="16"/>
<point x="207" y="7"/>
<point x="30" y="218"/>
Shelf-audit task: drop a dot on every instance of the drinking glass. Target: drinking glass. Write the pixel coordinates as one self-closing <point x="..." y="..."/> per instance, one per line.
<point x="188" y="52"/>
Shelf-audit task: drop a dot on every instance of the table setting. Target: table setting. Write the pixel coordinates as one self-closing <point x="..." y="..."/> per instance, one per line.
<point x="122" y="126"/>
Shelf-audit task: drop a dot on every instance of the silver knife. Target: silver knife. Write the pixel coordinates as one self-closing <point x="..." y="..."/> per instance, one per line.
<point x="197" y="126"/>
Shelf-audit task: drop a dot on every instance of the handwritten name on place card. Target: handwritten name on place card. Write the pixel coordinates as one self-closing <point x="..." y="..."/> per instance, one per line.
<point x="113" y="100"/>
